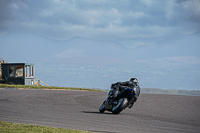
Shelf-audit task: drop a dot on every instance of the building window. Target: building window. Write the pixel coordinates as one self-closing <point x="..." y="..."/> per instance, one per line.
<point x="19" y="71"/>
<point x="12" y="71"/>
<point x="29" y="71"/>
<point x="16" y="71"/>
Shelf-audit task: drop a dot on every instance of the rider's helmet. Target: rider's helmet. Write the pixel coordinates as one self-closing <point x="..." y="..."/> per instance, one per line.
<point x="134" y="80"/>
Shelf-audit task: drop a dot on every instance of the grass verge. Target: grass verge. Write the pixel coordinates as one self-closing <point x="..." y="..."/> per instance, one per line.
<point x="171" y="92"/>
<point x="7" y="127"/>
<point x="44" y="87"/>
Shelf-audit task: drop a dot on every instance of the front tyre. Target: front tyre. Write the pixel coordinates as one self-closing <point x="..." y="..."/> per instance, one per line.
<point x="122" y="104"/>
<point x="102" y="107"/>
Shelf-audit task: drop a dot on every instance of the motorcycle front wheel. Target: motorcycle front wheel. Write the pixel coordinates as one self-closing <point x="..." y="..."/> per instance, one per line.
<point x="102" y="107"/>
<point x="122" y="104"/>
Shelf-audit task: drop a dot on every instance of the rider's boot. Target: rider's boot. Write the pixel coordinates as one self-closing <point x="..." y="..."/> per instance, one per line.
<point x="130" y="105"/>
<point x="134" y="100"/>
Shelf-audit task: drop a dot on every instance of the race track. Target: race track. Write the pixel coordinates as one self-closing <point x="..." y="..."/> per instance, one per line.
<point x="80" y="110"/>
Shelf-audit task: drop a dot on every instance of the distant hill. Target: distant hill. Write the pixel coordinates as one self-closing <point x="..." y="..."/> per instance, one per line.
<point x="24" y="46"/>
<point x="187" y="45"/>
<point x="170" y="64"/>
<point x="79" y="49"/>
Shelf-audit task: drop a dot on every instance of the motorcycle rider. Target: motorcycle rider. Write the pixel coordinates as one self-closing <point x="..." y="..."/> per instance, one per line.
<point x="119" y="87"/>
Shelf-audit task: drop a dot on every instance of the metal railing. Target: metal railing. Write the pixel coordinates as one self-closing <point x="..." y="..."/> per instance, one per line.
<point x="39" y="82"/>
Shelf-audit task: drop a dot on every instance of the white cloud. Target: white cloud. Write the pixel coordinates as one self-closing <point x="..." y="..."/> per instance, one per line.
<point x="136" y="15"/>
<point x="126" y="21"/>
<point x="192" y="9"/>
<point x="148" y="2"/>
<point x="47" y="13"/>
<point x="15" y="6"/>
<point x="184" y="59"/>
<point x="70" y="53"/>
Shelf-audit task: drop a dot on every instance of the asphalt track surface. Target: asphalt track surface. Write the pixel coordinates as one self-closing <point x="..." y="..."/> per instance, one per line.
<point x="152" y="113"/>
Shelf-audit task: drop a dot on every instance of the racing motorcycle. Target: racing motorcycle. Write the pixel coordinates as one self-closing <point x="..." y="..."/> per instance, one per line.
<point x="121" y="102"/>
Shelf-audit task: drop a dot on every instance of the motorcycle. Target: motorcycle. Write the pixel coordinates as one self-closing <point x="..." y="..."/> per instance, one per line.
<point x="121" y="102"/>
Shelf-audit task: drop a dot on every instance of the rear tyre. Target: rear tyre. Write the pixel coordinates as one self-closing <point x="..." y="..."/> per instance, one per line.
<point x="102" y="108"/>
<point x="122" y="104"/>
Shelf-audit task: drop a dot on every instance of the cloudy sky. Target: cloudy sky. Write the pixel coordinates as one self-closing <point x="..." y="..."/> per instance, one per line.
<point x="130" y="22"/>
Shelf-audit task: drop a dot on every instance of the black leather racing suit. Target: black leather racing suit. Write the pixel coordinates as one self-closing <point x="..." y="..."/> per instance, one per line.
<point x="120" y="86"/>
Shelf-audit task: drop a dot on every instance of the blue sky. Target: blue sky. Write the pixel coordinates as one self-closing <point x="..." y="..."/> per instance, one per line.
<point x="130" y="22"/>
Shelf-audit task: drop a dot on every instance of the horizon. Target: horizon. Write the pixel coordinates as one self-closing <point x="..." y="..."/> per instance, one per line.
<point x="89" y="69"/>
<point x="97" y="43"/>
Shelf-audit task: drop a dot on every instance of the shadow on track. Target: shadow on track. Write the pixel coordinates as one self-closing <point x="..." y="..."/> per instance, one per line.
<point x="92" y="112"/>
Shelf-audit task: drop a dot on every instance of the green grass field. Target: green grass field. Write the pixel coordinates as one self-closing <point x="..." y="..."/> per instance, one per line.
<point x="7" y="127"/>
<point x="44" y="87"/>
